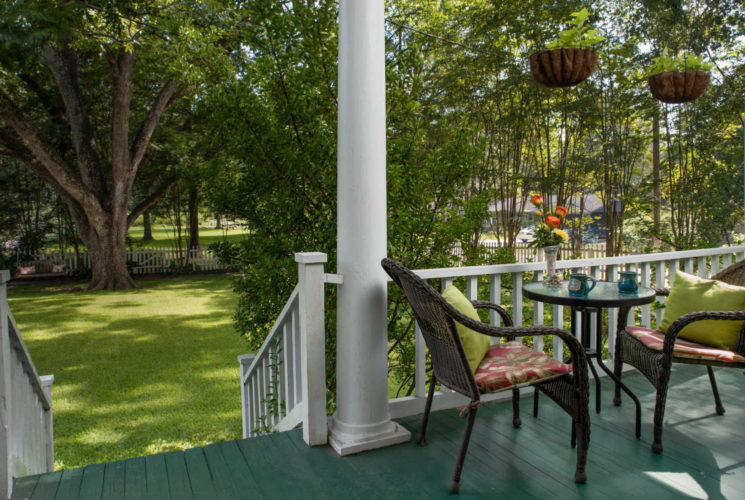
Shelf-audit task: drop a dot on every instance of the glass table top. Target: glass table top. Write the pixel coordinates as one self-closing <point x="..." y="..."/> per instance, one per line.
<point x="605" y="294"/>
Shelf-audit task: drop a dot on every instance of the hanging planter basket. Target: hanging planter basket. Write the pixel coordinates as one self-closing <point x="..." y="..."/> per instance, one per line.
<point x="676" y="87"/>
<point x="562" y="67"/>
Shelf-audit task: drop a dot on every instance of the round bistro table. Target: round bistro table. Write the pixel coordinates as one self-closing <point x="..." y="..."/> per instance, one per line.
<point x="604" y="295"/>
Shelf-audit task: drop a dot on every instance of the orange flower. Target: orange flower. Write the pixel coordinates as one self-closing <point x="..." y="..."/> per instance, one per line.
<point x="553" y="222"/>
<point x="561" y="211"/>
<point x="536" y="200"/>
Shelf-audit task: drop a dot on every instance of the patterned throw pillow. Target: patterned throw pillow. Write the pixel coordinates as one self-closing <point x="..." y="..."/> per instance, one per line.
<point x="58" y="268"/>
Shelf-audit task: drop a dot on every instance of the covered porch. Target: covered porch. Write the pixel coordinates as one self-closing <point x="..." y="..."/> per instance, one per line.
<point x="702" y="457"/>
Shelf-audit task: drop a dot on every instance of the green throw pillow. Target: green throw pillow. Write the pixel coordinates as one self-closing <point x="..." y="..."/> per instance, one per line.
<point x="690" y="294"/>
<point x="475" y="344"/>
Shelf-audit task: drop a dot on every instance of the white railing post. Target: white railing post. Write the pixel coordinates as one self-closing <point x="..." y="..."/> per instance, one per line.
<point x="245" y="361"/>
<point x="46" y="384"/>
<point x="313" y="346"/>
<point x="6" y="481"/>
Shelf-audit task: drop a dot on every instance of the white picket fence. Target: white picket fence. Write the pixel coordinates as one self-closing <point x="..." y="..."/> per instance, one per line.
<point x="147" y="260"/>
<point x="26" y="434"/>
<point x="524" y="253"/>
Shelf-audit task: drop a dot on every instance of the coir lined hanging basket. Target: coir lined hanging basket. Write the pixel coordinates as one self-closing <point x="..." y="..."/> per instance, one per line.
<point x="676" y="87"/>
<point x="562" y="67"/>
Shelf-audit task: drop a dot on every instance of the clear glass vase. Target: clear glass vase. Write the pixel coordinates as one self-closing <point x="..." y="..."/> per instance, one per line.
<point x="551" y="278"/>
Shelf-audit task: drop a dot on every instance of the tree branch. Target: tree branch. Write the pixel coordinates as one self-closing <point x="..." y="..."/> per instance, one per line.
<point x="150" y="200"/>
<point x="166" y="97"/>
<point x="120" y="158"/>
<point x="63" y="63"/>
<point x="43" y="152"/>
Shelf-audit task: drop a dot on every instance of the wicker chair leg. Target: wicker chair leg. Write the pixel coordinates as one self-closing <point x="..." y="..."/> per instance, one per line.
<point x="659" y="412"/>
<point x="573" y="439"/>
<point x="717" y="400"/>
<point x="455" y="483"/>
<point x="516" y="422"/>
<point x="617" y="370"/>
<point x="421" y="438"/>
<point x="583" y="441"/>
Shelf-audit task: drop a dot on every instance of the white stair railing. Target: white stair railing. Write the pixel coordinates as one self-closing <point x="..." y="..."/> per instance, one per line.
<point x="284" y="383"/>
<point x="26" y="434"/>
<point x="656" y="269"/>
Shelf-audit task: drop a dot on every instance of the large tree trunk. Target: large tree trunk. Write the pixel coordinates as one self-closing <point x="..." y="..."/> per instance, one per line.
<point x="193" y="217"/>
<point x="108" y="261"/>
<point x="147" y="227"/>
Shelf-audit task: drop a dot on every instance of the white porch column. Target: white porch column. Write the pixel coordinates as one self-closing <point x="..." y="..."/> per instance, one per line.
<point x="362" y="420"/>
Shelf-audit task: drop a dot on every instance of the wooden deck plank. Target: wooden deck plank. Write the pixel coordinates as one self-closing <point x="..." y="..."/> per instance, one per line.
<point x="157" y="477"/>
<point x="507" y="471"/>
<point x="259" y="458"/>
<point x="92" y="483"/>
<point x="135" y="479"/>
<point x="178" y="476"/>
<point x="221" y="473"/>
<point x="47" y="486"/>
<point x="702" y="458"/>
<point x="241" y="476"/>
<point x="199" y="474"/>
<point x="113" y="481"/>
<point x="69" y="486"/>
<point x="325" y="462"/>
<point x="23" y="487"/>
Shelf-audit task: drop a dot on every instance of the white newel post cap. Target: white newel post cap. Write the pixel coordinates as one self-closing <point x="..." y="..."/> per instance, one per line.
<point x="311" y="258"/>
<point x="4" y="276"/>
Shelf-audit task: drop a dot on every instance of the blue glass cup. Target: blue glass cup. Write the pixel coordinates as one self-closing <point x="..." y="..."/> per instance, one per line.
<point x="627" y="284"/>
<point x="578" y="284"/>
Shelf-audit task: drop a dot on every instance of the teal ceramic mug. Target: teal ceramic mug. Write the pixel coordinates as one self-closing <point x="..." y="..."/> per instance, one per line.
<point x="627" y="283"/>
<point x="578" y="284"/>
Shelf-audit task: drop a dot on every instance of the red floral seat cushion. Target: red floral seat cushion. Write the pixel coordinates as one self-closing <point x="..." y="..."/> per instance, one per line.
<point x="654" y="340"/>
<point x="512" y="364"/>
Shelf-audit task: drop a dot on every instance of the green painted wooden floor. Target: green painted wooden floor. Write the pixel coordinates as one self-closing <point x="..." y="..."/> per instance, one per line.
<point x="704" y="457"/>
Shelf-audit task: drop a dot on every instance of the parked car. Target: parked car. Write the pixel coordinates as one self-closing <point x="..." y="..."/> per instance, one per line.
<point x="594" y="235"/>
<point x="526" y="235"/>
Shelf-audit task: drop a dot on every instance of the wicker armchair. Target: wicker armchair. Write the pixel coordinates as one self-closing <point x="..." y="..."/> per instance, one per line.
<point x="653" y="353"/>
<point x="437" y="321"/>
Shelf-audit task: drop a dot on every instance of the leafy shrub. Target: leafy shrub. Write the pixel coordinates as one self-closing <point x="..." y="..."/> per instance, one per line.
<point x="579" y="36"/>
<point x="678" y="62"/>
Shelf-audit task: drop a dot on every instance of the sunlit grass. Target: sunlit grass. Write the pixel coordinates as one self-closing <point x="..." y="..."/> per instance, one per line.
<point x="166" y="237"/>
<point x="136" y="372"/>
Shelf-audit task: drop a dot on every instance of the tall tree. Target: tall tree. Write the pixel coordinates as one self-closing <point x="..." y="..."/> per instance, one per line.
<point x="115" y="71"/>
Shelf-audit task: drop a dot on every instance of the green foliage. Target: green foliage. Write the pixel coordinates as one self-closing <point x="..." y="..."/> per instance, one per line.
<point x="682" y="61"/>
<point x="579" y="36"/>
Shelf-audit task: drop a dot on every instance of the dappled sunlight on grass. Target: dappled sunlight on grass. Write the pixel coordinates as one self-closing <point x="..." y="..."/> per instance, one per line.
<point x="136" y="372"/>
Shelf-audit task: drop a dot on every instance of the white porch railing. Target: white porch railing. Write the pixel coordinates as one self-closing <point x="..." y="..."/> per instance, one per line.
<point x="654" y="269"/>
<point x="284" y="384"/>
<point x="26" y="436"/>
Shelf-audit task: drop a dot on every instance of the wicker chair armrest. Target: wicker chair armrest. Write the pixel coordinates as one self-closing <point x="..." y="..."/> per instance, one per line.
<point x="575" y="347"/>
<point x="685" y="320"/>
<point x="482" y="304"/>
<point x="661" y="292"/>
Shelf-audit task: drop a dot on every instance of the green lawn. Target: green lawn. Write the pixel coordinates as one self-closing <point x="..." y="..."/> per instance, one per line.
<point x="165" y="237"/>
<point x="136" y="372"/>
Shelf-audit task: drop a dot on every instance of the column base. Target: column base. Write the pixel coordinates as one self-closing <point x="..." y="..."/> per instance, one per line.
<point x="345" y="443"/>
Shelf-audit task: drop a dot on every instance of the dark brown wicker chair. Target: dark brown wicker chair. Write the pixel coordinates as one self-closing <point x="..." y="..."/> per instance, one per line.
<point x="656" y="363"/>
<point x="437" y="321"/>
